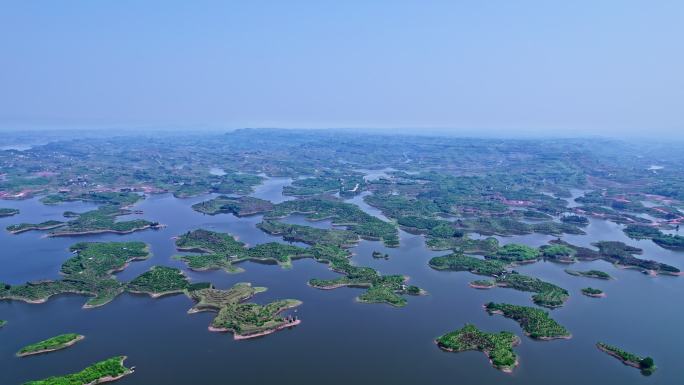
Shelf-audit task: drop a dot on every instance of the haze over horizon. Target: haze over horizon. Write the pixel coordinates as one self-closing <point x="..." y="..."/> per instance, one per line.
<point x="469" y="68"/>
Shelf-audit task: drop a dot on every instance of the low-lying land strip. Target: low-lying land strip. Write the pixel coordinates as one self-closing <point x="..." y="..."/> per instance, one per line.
<point x="59" y="342"/>
<point x="646" y="364"/>
<point x="108" y="370"/>
<point x="589" y="274"/>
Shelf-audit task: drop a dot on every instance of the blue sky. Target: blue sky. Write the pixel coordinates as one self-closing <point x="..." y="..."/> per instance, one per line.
<point x="495" y="66"/>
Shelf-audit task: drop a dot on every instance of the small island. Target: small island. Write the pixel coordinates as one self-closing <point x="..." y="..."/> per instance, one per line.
<point x="379" y="255"/>
<point x="2" y="323"/>
<point x="536" y="323"/>
<point x="159" y="281"/>
<point x="52" y="344"/>
<point x="515" y="253"/>
<point x="598" y="274"/>
<point x="558" y="253"/>
<point x="482" y="284"/>
<point x="591" y="292"/>
<point x="646" y="364"/>
<point x="108" y="370"/>
<point x="5" y="212"/>
<point x="498" y="347"/>
<point x="576" y="220"/>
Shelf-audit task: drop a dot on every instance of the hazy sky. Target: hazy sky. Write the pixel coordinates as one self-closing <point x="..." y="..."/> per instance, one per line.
<point x="579" y="67"/>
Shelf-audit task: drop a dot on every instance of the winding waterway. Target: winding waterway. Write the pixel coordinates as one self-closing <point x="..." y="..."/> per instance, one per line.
<point x="339" y="341"/>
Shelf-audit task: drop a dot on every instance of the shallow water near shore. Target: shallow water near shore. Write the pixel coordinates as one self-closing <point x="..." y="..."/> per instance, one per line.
<point x="340" y="341"/>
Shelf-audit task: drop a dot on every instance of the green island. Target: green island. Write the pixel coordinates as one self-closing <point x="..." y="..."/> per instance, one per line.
<point x="620" y="254"/>
<point x="646" y="364"/>
<point x="592" y="292"/>
<point x="515" y="253"/>
<point x="589" y="274"/>
<point x="547" y="294"/>
<point x="342" y="214"/>
<point x="460" y="262"/>
<point x="159" y="281"/>
<point x="117" y="198"/>
<point x="59" y="342"/>
<point x="464" y="244"/>
<point x="240" y="206"/>
<point x="5" y="212"/>
<point x="498" y="347"/>
<point x="482" y="284"/>
<point x="88" y="272"/>
<point x="347" y="184"/>
<point x="558" y="253"/>
<point x="245" y="320"/>
<point x="108" y="370"/>
<point x="666" y="241"/>
<point x="101" y="220"/>
<point x="379" y="255"/>
<point x="536" y="323"/>
<point x="2" y="323"/>
<point x="576" y="220"/>
<point x="309" y="235"/>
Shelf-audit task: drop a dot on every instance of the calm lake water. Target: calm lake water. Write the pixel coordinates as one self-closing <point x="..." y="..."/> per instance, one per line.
<point x="339" y="341"/>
